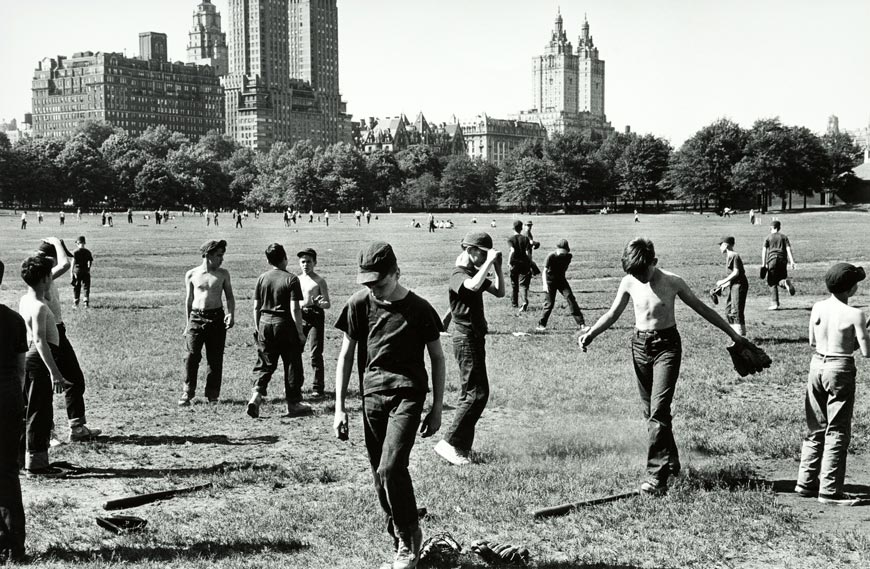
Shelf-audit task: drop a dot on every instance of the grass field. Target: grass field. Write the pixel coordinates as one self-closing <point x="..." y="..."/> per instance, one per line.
<point x="560" y="426"/>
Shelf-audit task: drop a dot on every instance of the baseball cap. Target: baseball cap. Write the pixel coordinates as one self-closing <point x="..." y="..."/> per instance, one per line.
<point x="563" y="244"/>
<point x="211" y="245"/>
<point x="727" y="239"/>
<point x="529" y="222"/>
<point x="308" y="251"/>
<point x="842" y="276"/>
<point x="375" y="261"/>
<point x="478" y="239"/>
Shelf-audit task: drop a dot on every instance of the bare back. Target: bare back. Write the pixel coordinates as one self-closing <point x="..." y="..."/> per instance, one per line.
<point x="836" y="328"/>
<point x="206" y="287"/>
<point x="654" y="301"/>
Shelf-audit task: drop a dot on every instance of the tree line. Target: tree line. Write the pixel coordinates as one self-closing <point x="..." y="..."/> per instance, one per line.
<point x="722" y="165"/>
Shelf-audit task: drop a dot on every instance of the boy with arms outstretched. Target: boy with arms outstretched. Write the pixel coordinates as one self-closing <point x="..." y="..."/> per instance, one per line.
<point x="395" y="325"/>
<point x="656" y="349"/>
<point x="836" y="329"/>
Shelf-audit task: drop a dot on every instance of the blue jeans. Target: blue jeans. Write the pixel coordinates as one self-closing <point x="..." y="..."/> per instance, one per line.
<point x="74" y="388"/>
<point x="470" y="353"/>
<point x="657" y="355"/>
<point x="205" y="328"/>
<point x="279" y="339"/>
<point x="520" y="276"/>
<point x="313" y="327"/>
<point x="11" y="507"/>
<point x="81" y="279"/>
<point x="735" y="303"/>
<point x="561" y="286"/>
<point x="39" y="409"/>
<point x="391" y="419"/>
<point x="829" y="401"/>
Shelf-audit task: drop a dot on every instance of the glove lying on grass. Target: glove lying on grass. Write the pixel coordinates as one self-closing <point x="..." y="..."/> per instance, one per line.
<point x="493" y="552"/>
<point x="440" y="549"/>
<point x="748" y="358"/>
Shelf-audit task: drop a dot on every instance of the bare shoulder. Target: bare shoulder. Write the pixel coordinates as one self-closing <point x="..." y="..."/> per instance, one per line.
<point x="192" y="272"/>
<point x="222" y="273"/>
<point x="319" y="280"/>
<point x="674" y="278"/>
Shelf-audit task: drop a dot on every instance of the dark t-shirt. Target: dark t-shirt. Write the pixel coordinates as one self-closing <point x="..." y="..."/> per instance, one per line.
<point x="776" y="244"/>
<point x="82" y="257"/>
<point x="276" y="290"/>
<point x="557" y="265"/>
<point x="521" y="246"/>
<point x="13" y="341"/>
<point x="467" y="305"/>
<point x="395" y="336"/>
<point x="735" y="262"/>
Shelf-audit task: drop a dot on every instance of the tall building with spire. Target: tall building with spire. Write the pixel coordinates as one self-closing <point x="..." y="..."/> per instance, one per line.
<point x="568" y="85"/>
<point x="207" y="44"/>
<point x="266" y="100"/>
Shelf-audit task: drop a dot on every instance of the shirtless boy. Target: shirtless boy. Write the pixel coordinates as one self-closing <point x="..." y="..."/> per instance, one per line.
<point x="836" y="329"/>
<point x="656" y="349"/>
<point x="315" y="299"/>
<point x="207" y="324"/>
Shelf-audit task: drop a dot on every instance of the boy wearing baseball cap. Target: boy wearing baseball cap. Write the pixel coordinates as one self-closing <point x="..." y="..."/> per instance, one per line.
<point x="555" y="267"/>
<point x="776" y="256"/>
<point x="836" y="330"/>
<point x="395" y="327"/>
<point x="468" y="282"/>
<point x="737" y="285"/>
<point x="207" y="324"/>
<point x="315" y="299"/>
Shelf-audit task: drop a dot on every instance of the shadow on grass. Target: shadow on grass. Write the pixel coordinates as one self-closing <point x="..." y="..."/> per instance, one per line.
<point x="210" y="550"/>
<point x="541" y="565"/>
<point x="776" y="341"/>
<point x="221" y="468"/>
<point x="156" y="440"/>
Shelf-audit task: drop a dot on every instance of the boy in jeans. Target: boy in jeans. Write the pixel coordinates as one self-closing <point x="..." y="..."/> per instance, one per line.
<point x="394" y="326"/>
<point x="656" y="349"/>
<point x="81" y="270"/>
<point x="836" y="329"/>
<point x="776" y="256"/>
<point x="315" y="299"/>
<point x="520" y="263"/>
<point x="13" y="346"/>
<point x="738" y="286"/>
<point x="468" y="282"/>
<point x="555" y="267"/>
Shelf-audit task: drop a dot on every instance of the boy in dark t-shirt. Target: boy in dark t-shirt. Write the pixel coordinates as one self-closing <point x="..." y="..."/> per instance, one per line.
<point x="776" y="256"/>
<point x="468" y="282"/>
<point x="737" y="285"/>
<point x="520" y="264"/>
<point x="278" y="321"/>
<point x="394" y="325"/>
<point x="555" y="267"/>
<point x="81" y="271"/>
<point x="13" y="346"/>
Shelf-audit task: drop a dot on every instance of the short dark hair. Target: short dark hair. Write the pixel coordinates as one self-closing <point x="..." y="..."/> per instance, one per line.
<point x="639" y="255"/>
<point x="518" y="225"/>
<point x="776" y="224"/>
<point x="275" y="253"/>
<point x="35" y="268"/>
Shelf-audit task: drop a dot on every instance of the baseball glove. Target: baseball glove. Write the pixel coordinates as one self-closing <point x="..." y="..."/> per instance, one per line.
<point x="440" y="549"/>
<point x="762" y="272"/>
<point x="493" y="552"/>
<point x="748" y="359"/>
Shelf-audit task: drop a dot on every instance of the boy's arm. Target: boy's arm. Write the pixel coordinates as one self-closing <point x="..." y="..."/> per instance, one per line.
<point x="764" y="255"/>
<point x="498" y="277"/>
<point x="686" y="295"/>
<point x="188" y="296"/>
<point x="609" y="317"/>
<point x="790" y="255"/>
<point x="733" y="275"/>
<point x="18" y="371"/>
<point x="230" y="318"/>
<point x="474" y="283"/>
<point x="42" y="347"/>
<point x="63" y="264"/>
<point x="862" y="335"/>
<point x="324" y="294"/>
<point x="811" y="334"/>
<point x="432" y="419"/>
<point x="296" y="314"/>
<point x="342" y="377"/>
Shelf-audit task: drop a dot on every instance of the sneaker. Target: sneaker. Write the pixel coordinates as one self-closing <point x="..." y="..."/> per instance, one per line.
<point x="654" y="487"/>
<point x="773" y="307"/>
<point x="524" y="307"/>
<point x="54" y="440"/>
<point x="82" y="433"/>
<point x="805" y="491"/>
<point x="298" y="408"/>
<point x="540" y="328"/>
<point x="840" y="499"/>
<point x="253" y="410"/>
<point x="44" y="472"/>
<point x="452" y="454"/>
<point x="184" y="400"/>
<point x="213" y="399"/>
<point x="318" y="394"/>
<point x="408" y="552"/>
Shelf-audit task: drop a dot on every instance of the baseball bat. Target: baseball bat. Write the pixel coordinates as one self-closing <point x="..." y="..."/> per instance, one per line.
<point x="563" y="509"/>
<point x="142" y="499"/>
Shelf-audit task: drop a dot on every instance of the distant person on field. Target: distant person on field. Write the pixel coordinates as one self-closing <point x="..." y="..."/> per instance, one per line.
<point x="737" y="286"/>
<point x="431" y="222"/>
<point x="13" y="347"/>
<point x="555" y="268"/>
<point x="62" y="216"/>
<point x="656" y="349"/>
<point x="468" y="282"/>
<point x="520" y="263"/>
<point x="751" y="217"/>
<point x="42" y="377"/>
<point x="278" y="321"/>
<point x="636" y="218"/>
<point x="67" y="360"/>
<point x="83" y="260"/>
<point x="23" y="220"/>
<point x="395" y="327"/>
<point x="39" y="217"/>
<point x="207" y="323"/>
<point x="129" y="215"/>
<point x="238" y="218"/>
<point x="836" y="330"/>
<point x="315" y="299"/>
<point x="368" y="216"/>
<point x="358" y="215"/>
<point x="326" y="216"/>
<point x="776" y="256"/>
<point x="310" y="216"/>
<point x="216" y="214"/>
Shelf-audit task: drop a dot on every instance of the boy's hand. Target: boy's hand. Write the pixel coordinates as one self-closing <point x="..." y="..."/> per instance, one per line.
<point x="229" y="320"/>
<point x="339" y="425"/>
<point x="58" y="382"/>
<point x="492" y="255"/>
<point x="431" y="423"/>
<point x="584" y="340"/>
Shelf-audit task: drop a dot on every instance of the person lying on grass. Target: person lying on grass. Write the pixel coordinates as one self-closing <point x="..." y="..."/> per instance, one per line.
<point x="656" y="349"/>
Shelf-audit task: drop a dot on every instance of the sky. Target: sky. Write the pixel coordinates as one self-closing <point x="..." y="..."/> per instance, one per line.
<point x="672" y="66"/>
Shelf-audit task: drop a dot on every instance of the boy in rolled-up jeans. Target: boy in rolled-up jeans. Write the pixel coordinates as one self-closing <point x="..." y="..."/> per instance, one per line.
<point x="836" y="329"/>
<point x="656" y="349"/>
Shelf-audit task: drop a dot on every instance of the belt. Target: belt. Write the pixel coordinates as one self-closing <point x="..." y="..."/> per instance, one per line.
<point x="209" y="312"/>
<point x="671" y="331"/>
<point x="311" y="308"/>
<point x="826" y="358"/>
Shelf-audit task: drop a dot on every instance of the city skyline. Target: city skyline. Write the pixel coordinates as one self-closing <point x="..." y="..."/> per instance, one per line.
<point x="673" y="67"/>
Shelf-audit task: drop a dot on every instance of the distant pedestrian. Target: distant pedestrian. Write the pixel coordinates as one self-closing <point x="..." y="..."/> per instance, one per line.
<point x="751" y="217"/>
<point x="368" y="216"/>
<point x="326" y="216"/>
<point x="216" y="214"/>
<point x="636" y="218"/>
<point x="157" y="217"/>
<point x="310" y="216"/>
<point x="238" y="221"/>
<point x="62" y="218"/>
<point x="358" y="215"/>
<point x="129" y="215"/>
<point x="103" y="219"/>
<point x="776" y="256"/>
<point x="109" y="219"/>
<point x="207" y="217"/>
<point x="23" y="220"/>
<point x="39" y="217"/>
<point x="286" y="218"/>
<point x="79" y="213"/>
<point x="431" y="222"/>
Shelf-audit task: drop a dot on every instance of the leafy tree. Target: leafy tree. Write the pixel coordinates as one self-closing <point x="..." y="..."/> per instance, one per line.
<point x="487" y="176"/>
<point x="384" y="175"/>
<point x="608" y="155"/>
<point x="422" y="192"/>
<point x="216" y="146"/>
<point x="126" y="159"/>
<point x="37" y="178"/>
<point x="201" y="181"/>
<point x="460" y="183"/>
<point x="155" y="185"/>
<point x="97" y="132"/>
<point x="527" y="181"/>
<point x="159" y="141"/>
<point x="418" y="159"/>
<point x="843" y="155"/>
<point x="578" y="168"/>
<point x="642" y="167"/>
<point x="241" y="168"/>
<point x="89" y="180"/>
<point x="809" y="165"/>
<point x="270" y="188"/>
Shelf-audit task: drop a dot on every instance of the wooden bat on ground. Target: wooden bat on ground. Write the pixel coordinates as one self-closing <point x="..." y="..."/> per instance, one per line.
<point x="142" y="499"/>
<point x="563" y="509"/>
